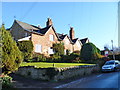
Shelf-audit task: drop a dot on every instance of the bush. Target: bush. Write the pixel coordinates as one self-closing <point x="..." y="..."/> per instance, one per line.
<point x="54" y="58"/>
<point x="73" y="57"/>
<point x="26" y="47"/>
<point x="58" y="49"/>
<point x="37" y="57"/>
<point x="11" y="55"/>
<point x="6" y="81"/>
<point x="89" y="52"/>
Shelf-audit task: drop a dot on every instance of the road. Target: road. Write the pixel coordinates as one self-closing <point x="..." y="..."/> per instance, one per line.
<point x="103" y="80"/>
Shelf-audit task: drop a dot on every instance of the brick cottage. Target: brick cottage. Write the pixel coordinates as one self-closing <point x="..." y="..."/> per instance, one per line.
<point x="44" y="38"/>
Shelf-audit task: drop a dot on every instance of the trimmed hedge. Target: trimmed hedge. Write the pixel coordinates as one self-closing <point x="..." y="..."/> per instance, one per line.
<point x="89" y="52"/>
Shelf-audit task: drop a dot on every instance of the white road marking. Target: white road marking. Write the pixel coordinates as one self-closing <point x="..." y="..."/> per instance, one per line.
<point x="99" y="75"/>
<point x="64" y="85"/>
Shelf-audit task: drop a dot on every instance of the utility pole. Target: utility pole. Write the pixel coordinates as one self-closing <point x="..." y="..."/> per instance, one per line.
<point x="113" y="50"/>
<point x="119" y="23"/>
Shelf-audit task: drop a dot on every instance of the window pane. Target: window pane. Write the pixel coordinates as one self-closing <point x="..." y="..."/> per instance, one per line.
<point x="50" y="51"/>
<point x="51" y="38"/>
<point x="38" y="48"/>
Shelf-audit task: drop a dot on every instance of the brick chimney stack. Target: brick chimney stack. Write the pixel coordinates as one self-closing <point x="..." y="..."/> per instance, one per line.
<point x="72" y="33"/>
<point x="49" y="22"/>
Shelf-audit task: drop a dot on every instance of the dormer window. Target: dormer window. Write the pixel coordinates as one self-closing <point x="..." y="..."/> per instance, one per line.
<point x="51" y="37"/>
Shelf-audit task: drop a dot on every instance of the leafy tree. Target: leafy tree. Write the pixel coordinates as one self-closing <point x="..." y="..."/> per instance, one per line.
<point x="89" y="52"/>
<point x="58" y="49"/>
<point x="26" y="47"/>
<point x="11" y="55"/>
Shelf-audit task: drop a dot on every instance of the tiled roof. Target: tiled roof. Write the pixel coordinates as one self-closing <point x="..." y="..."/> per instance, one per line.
<point x="33" y="28"/>
<point x="44" y="30"/>
<point x="74" y="40"/>
<point x="84" y="40"/>
<point x="27" y="26"/>
<point x="61" y="36"/>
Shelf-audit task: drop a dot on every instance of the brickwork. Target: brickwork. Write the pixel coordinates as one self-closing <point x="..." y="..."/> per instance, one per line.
<point x="72" y="33"/>
<point x="67" y="44"/>
<point x="19" y="30"/>
<point x="77" y="46"/>
<point x="44" y="41"/>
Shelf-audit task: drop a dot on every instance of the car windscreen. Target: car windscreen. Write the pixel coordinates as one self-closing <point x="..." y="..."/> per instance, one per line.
<point x="109" y="63"/>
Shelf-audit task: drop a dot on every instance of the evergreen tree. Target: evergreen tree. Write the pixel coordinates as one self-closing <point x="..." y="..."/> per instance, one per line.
<point x="89" y="52"/>
<point x="11" y="55"/>
<point x="26" y="47"/>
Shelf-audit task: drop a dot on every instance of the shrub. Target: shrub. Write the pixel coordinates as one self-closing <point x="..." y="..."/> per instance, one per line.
<point x="39" y="57"/>
<point x="11" y="55"/>
<point x="73" y="57"/>
<point x="58" y="49"/>
<point x="54" y="58"/>
<point x="89" y="52"/>
<point x="6" y="81"/>
<point x="26" y="47"/>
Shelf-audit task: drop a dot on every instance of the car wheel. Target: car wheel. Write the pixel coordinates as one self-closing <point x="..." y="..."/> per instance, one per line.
<point x="115" y="69"/>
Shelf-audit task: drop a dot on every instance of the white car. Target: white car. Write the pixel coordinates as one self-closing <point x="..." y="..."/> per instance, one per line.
<point x="112" y="65"/>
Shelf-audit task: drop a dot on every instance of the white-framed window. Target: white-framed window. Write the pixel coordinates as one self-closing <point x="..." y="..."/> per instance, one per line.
<point x="38" y="48"/>
<point x="50" y="50"/>
<point x="51" y="37"/>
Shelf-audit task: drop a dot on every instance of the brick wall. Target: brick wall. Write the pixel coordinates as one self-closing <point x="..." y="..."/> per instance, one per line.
<point x="67" y="44"/>
<point x="44" y="41"/>
<point x="77" y="46"/>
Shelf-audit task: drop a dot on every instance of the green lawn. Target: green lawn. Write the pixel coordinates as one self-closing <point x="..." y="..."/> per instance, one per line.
<point x="46" y="65"/>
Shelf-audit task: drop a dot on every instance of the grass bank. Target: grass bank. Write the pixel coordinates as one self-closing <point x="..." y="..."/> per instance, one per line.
<point x="46" y="65"/>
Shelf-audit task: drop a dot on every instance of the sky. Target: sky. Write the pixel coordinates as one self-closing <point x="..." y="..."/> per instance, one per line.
<point x="97" y="21"/>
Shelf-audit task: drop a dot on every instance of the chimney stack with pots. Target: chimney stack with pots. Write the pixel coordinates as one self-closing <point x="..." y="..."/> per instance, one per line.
<point x="72" y="33"/>
<point x="49" y="22"/>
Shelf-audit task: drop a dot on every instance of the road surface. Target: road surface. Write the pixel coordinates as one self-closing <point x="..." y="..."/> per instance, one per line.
<point x="103" y="80"/>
